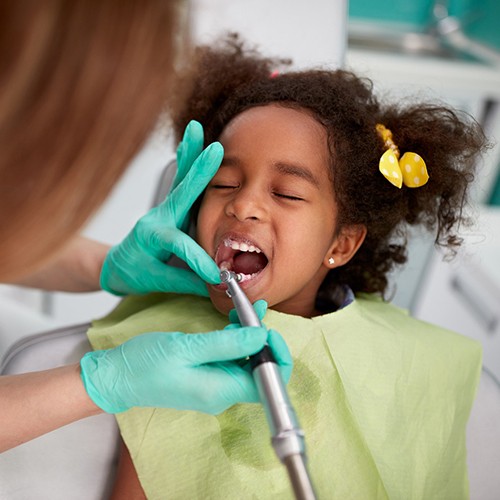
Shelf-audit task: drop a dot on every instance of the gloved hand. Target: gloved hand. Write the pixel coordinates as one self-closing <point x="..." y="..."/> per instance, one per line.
<point x="274" y="340"/>
<point x="138" y="264"/>
<point x="177" y="370"/>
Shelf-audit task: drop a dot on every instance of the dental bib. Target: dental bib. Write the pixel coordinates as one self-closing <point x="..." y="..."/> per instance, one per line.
<point x="383" y="400"/>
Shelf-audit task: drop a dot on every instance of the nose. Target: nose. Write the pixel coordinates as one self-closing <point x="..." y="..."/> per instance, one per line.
<point x="247" y="205"/>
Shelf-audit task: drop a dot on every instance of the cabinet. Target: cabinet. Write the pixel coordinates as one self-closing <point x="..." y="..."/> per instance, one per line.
<point x="464" y="295"/>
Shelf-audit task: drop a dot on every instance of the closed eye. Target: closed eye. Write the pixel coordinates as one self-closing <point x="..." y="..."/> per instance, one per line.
<point x="223" y="186"/>
<point x="288" y="197"/>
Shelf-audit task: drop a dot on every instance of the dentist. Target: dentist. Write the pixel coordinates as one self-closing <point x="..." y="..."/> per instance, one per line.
<point x="82" y="85"/>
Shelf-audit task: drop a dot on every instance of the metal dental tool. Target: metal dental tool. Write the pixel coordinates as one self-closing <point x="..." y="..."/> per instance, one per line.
<point x="286" y="435"/>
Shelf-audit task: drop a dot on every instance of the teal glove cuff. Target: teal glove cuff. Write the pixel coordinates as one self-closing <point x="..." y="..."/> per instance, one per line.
<point x="105" y="280"/>
<point x="90" y="374"/>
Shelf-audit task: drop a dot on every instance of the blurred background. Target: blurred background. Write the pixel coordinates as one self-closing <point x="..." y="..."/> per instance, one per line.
<point x="448" y="51"/>
<point x="442" y="50"/>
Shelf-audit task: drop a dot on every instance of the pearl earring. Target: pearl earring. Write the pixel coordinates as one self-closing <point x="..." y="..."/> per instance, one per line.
<point x="331" y="261"/>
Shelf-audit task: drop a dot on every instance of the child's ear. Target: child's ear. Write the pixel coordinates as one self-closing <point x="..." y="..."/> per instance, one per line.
<point x="344" y="246"/>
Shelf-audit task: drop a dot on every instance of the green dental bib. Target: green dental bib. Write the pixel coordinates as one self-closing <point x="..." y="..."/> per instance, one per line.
<point x="383" y="400"/>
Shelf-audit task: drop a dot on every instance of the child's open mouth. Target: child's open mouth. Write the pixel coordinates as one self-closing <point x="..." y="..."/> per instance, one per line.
<point x="241" y="257"/>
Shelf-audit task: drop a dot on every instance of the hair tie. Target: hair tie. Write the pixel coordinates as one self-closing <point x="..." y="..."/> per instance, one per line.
<point x="410" y="170"/>
<point x="274" y="74"/>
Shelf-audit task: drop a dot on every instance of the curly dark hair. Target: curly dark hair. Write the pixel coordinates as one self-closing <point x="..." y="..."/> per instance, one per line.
<point x="225" y="79"/>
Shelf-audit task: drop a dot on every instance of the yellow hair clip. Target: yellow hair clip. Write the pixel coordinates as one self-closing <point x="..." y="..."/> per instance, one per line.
<point x="410" y="170"/>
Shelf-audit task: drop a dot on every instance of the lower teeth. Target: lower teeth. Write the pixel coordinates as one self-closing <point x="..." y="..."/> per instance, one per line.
<point x="246" y="277"/>
<point x="225" y="266"/>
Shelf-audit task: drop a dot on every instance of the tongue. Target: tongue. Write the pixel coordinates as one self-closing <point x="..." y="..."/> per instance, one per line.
<point x="249" y="262"/>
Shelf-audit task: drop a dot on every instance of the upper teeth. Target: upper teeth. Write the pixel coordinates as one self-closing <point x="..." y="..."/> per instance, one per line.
<point x="243" y="247"/>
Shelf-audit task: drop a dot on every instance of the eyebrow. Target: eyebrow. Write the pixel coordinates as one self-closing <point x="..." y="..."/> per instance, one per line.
<point x="282" y="168"/>
<point x="296" y="171"/>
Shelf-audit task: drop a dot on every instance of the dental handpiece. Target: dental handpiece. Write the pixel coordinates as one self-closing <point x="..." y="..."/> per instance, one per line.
<point x="286" y="435"/>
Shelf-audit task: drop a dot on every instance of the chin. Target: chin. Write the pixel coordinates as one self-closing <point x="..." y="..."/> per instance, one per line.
<point x="221" y="301"/>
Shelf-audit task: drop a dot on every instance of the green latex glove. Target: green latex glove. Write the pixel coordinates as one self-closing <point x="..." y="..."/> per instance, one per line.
<point x="137" y="265"/>
<point x="260" y="307"/>
<point x="274" y="340"/>
<point x="177" y="370"/>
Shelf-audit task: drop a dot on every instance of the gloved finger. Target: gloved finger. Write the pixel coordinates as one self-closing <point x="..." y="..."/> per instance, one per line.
<point x="165" y="278"/>
<point x="154" y="276"/>
<point x="188" y="150"/>
<point x="171" y="240"/>
<point x="180" y="200"/>
<point x="281" y="354"/>
<point x="234" y="321"/>
<point x="239" y="387"/>
<point x="260" y="307"/>
<point x="222" y="345"/>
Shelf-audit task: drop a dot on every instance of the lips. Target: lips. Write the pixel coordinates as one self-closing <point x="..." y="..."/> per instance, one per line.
<point x="241" y="256"/>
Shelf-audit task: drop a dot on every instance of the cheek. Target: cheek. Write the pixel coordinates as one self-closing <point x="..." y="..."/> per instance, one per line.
<point x="204" y="223"/>
<point x="222" y="303"/>
<point x="312" y="237"/>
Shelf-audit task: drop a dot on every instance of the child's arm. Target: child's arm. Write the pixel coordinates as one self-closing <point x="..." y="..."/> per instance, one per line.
<point x="127" y="485"/>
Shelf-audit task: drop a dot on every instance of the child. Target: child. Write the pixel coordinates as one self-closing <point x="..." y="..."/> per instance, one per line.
<point x="301" y="210"/>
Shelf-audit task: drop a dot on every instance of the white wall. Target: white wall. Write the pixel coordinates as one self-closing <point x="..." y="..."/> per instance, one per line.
<point x="311" y="32"/>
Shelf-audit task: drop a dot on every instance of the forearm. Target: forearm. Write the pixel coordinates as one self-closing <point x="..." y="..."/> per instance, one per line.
<point x="76" y="268"/>
<point x="33" y="404"/>
<point x="127" y="484"/>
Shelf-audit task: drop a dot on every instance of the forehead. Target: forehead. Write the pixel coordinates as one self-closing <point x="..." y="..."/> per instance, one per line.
<point x="276" y="128"/>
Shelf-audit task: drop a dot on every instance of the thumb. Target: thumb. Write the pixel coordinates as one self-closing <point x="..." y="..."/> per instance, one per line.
<point x="181" y="199"/>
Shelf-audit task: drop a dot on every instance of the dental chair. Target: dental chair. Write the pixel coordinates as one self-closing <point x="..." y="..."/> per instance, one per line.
<point x="79" y="461"/>
<point x="75" y="462"/>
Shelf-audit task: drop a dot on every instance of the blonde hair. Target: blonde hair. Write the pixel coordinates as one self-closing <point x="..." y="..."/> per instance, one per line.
<point x="82" y="85"/>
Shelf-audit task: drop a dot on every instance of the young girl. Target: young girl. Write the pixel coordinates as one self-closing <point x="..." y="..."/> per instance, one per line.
<point x="317" y="187"/>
